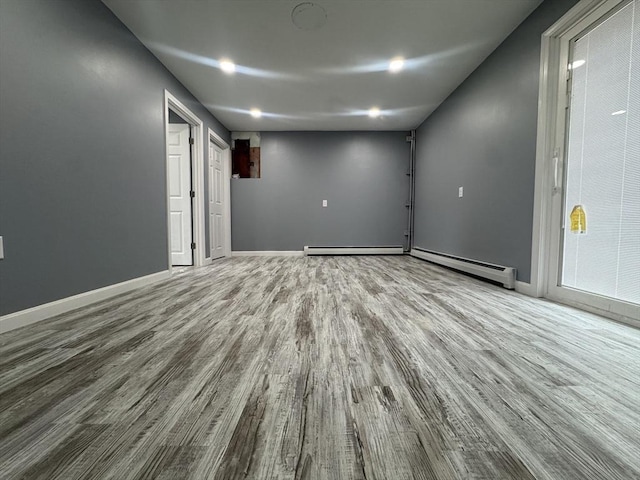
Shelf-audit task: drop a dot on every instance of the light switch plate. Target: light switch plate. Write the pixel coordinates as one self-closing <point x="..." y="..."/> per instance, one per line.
<point x="460" y="192"/>
<point x="324" y="203"/>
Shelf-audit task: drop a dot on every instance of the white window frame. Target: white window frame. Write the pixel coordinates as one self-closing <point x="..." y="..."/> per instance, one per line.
<point x="550" y="155"/>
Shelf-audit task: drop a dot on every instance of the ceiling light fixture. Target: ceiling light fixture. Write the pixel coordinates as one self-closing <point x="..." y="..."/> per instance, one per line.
<point x="396" y="64"/>
<point x="309" y="16"/>
<point x="227" y="66"/>
<point x="619" y="112"/>
<point x="577" y="64"/>
<point x="255" y="113"/>
<point x="374" y="112"/>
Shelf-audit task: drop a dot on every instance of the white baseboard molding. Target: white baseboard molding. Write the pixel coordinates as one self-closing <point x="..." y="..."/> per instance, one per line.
<point x="272" y="253"/>
<point x="526" y="289"/>
<point x="42" y="312"/>
<point x="490" y="271"/>
<point x="353" y="251"/>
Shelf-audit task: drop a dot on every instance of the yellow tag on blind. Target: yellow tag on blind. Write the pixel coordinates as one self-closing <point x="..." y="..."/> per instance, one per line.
<point x="578" y="220"/>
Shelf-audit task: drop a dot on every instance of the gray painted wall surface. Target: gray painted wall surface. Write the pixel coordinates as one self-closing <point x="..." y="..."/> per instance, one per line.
<point x="361" y="174"/>
<point x="483" y="138"/>
<point x="175" y="118"/>
<point x="82" y="155"/>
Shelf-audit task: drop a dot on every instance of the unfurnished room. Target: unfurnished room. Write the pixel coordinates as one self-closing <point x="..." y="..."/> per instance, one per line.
<point x="326" y="239"/>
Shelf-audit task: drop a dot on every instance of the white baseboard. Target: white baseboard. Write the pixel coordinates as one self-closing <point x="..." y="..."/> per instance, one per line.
<point x="353" y="251"/>
<point x="526" y="289"/>
<point x="274" y="253"/>
<point x="48" y="310"/>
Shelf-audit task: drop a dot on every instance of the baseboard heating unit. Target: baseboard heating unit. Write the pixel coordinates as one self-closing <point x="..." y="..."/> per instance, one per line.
<point x="497" y="273"/>
<point x="353" y="251"/>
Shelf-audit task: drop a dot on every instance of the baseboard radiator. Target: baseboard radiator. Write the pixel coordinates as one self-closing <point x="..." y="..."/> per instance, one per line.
<point x="497" y="273"/>
<point x="310" y="251"/>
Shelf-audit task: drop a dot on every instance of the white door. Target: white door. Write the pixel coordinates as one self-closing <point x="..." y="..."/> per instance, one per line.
<point x="596" y="214"/>
<point x="216" y="202"/>
<point x="179" y="152"/>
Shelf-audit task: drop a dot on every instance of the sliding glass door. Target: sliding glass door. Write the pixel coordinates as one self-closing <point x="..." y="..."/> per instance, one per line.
<point x="596" y="214"/>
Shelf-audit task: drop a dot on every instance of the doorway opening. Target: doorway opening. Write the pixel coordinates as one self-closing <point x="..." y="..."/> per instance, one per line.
<point x="245" y="155"/>
<point x="181" y="194"/>
<point x="185" y="184"/>
<point x="219" y="167"/>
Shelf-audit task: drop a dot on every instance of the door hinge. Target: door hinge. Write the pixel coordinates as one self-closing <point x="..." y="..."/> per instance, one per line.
<point x="193" y="246"/>
<point x="191" y="141"/>
<point x="192" y="194"/>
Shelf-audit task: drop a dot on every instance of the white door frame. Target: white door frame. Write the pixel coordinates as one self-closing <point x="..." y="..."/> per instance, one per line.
<point x="226" y="182"/>
<point x="197" y="175"/>
<point x="550" y="145"/>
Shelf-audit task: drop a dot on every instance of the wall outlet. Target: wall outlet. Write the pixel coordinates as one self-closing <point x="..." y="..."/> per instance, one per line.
<point x="460" y="192"/>
<point x="324" y="203"/>
<point x="1" y="249"/>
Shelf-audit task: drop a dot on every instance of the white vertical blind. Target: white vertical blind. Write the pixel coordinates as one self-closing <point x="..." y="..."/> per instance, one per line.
<point x="603" y="162"/>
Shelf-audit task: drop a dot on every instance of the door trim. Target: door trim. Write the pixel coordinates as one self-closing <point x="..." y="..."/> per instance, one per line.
<point x="554" y="58"/>
<point x="197" y="176"/>
<point x="226" y="182"/>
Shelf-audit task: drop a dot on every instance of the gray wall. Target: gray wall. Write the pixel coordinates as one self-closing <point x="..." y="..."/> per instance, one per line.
<point x="82" y="155"/>
<point x="361" y="174"/>
<point x="175" y="118"/>
<point x="483" y="138"/>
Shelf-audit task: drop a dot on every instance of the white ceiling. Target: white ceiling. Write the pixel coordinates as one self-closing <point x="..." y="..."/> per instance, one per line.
<point x="325" y="79"/>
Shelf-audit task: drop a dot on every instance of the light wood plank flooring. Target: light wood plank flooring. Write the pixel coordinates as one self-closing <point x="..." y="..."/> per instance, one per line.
<point x="321" y="368"/>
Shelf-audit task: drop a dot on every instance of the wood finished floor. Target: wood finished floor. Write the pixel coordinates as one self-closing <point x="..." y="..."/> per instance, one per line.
<point x="321" y="368"/>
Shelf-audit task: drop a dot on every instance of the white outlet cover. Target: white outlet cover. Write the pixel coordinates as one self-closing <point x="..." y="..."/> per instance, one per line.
<point x="324" y="203"/>
<point x="460" y="192"/>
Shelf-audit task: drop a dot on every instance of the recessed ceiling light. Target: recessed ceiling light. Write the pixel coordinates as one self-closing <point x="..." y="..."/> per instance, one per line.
<point x="256" y="113"/>
<point x="396" y="64"/>
<point x="374" y="112"/>
<point x="227" y="66"/>
<point x="577" y="64"/>
<point x="619" y="112"/>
